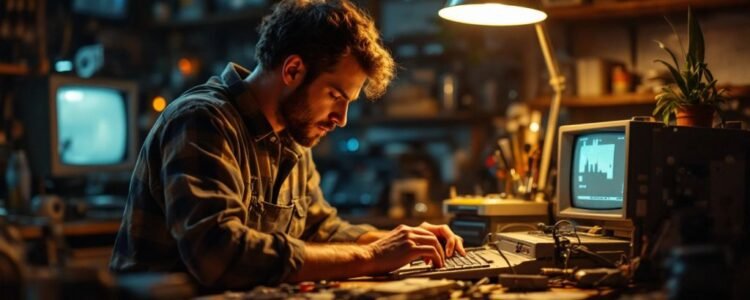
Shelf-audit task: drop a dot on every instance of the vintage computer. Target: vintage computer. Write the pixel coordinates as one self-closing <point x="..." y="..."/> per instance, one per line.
<point x="593" y="169"/>
<point x="627" y="179"/>
<point x="597" y="168"/>
<point x="80" y="133"/>
<point x="621" y="183"/>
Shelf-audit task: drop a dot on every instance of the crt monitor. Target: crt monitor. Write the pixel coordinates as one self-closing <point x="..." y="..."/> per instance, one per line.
<point x="592" y="171"/>
<point x="79" y="126"/>
<point x="633" y="176"/>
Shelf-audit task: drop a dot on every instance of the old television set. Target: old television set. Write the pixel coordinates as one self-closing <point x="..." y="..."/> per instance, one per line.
<point x="603" y="176"/>
<point x="109" y="9"/>
<point x="630" y="176"/>
<point x="76" y="127"/>
<point x="593" y="169"/>
<point x="603" y="173"/>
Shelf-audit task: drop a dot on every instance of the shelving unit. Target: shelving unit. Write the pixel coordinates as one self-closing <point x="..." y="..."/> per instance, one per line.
<point x="598" y="101"/>
<point x="218" y="19"/>
<point x="741" y="92"/>
<point x="636" y="8"/>
<point x="76" y="228"/>
<point x="14" y="69"/>
<point x="423" y="121"/>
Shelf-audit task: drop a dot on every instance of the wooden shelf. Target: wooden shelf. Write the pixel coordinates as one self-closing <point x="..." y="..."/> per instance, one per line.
<point x="14" y="69"/>
<point x="248" y="17"/>
<point x="423" y="121"/>
<point x="599" y="101"/>
<point x="77" y="228"/>
<point x="733" y="91"/>
<point x="636" y="8"/>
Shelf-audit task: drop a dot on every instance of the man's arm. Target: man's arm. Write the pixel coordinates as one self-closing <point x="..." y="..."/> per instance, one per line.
<point x="371" y="236"/>
<point x="333" y="261"/>
<point x="393" y="250"/>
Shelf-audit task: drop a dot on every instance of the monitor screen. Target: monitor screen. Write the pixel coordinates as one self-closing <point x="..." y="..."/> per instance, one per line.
<point x="112" y="9"/>
<point x="92" y="125"/>
<point x="598" y="171"/>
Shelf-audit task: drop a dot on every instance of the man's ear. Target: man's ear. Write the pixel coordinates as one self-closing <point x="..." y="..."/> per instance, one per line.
<point x="293" y="71"/>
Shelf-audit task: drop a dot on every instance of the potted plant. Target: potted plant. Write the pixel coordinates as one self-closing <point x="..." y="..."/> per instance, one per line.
<point x="694" y="97"/>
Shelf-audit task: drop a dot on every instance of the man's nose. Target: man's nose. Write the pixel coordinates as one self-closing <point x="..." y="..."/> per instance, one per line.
<point x="340" y="114"/>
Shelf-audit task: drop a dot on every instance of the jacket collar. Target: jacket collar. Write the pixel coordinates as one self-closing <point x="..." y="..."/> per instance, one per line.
<point x="233" y="77"/>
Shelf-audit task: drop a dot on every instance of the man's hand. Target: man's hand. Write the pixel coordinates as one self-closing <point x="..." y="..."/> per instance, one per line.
<point x="404" y="244"/>
<point x="452" y="241"/>
<point x="384" y="251"/>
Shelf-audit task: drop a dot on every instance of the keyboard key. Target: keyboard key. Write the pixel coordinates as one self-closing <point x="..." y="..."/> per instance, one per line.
<point x="489" y="261"/>
<point x="449" y="263"/>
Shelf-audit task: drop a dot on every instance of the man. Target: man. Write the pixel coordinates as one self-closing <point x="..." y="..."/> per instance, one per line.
<point x="225" y="187"/>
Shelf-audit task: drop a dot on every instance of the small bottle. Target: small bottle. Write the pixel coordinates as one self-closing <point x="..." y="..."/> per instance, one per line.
<point x="620" y="81"/>
<point x="18" y="182"/>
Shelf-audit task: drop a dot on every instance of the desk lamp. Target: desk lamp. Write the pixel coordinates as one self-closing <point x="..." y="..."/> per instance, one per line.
<point x="512" y="13"/>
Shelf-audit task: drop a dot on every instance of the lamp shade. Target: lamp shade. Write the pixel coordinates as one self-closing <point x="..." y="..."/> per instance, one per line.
<point x="493" y="13"/>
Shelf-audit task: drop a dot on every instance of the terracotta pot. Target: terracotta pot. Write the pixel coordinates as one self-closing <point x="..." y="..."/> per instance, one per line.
<point x="695" y="116"/>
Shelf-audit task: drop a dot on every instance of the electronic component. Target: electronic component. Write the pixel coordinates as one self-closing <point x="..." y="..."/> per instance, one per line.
<point x="516" y="282"/>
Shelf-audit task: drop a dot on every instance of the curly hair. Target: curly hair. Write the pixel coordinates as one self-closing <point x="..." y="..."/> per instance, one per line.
<point x="322" y="32"/>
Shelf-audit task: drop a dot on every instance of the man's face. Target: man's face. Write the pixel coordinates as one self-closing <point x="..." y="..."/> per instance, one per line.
<point x="314" y="109"/>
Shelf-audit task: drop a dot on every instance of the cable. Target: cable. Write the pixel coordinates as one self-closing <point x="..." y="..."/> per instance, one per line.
<point x="488" y="238"/>
<point x="571" y="224"/>
<point x="505" y="258"/>
<point x="594" y="256"/>
<point x="558" y="248"/>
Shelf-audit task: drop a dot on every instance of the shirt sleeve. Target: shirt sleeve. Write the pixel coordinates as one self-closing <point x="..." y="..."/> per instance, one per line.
<point x="323" y="223"/>
<point x="203" y="192"/>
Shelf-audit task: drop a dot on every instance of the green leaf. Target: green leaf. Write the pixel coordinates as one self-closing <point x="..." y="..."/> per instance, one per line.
<point x="660" y="105"/>
<point x="711" y="86"/>
<point x="696" y="46"/>
<point x="666" y="102"/>
<point x="674" y="58"/>
<point x="692" y="83"/>
<point x="709" y="75"/>
<point x="676" y="76"/>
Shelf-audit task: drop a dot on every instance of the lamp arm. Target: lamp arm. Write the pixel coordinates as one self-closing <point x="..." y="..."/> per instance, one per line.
<point x="557" y="82"/>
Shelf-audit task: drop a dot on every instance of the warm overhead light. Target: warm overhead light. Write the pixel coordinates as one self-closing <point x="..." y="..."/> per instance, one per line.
<point x="491" y="13"/>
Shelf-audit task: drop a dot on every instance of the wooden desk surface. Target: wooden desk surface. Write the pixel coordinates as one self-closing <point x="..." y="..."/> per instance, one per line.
<point x="488" y="291"/>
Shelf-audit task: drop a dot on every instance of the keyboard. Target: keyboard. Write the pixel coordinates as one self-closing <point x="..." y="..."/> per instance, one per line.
<point x="478" y="262"/>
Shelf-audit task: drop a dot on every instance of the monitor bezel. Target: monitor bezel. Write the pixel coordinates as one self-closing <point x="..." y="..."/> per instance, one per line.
<point x="129" y="88"/>
<point x="567" y="138"/>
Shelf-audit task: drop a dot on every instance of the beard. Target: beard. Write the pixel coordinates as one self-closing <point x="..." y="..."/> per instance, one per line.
<point x="297" y="112"/>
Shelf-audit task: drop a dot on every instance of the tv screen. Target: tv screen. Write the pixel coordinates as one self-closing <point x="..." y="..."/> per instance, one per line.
<point x="598" y="171"/>
<point x="92" y="125"/>
<point x="112" y="9"/>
